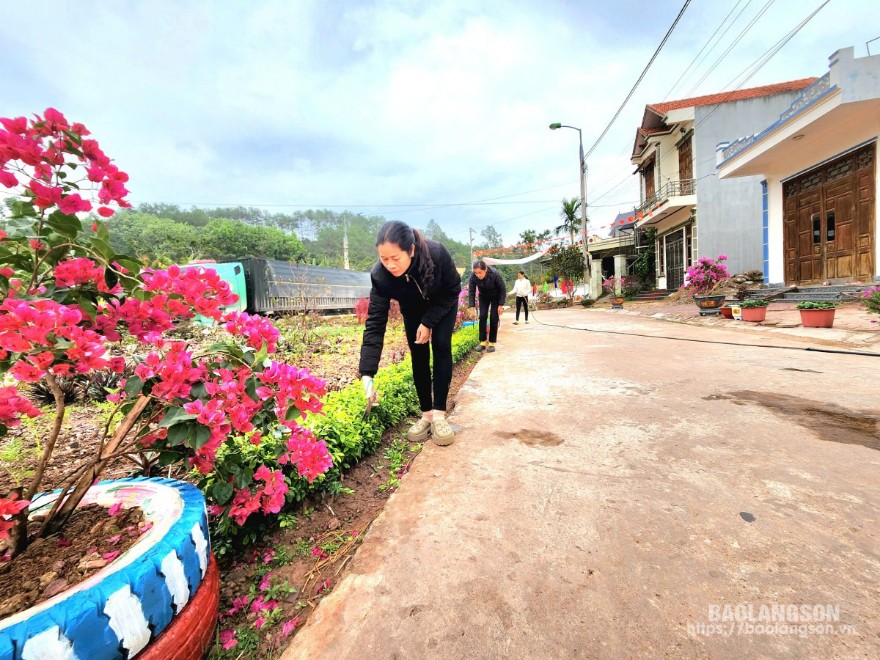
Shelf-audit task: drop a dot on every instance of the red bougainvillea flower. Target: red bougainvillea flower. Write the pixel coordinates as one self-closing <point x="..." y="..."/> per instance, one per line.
<point x="9" y="507"/>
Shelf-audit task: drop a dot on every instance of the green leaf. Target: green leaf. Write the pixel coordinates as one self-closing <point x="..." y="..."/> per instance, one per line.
<point x="179" y="434"/>
<point x="75" y="138"/>
<point x="111" y="278"/>
<point x="102" y="248"/>
<point x="134" y="385"/>
<point x="262" y="354"/>
<point x="175" y="415"/>
<point x="222" y="492"/>
<point x="292" y="413"/>
<point x="66" y="225"/>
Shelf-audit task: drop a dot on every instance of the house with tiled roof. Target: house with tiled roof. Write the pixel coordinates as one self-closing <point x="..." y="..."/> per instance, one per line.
<point x="815" y="165"/>
<point x="693" y="212"/>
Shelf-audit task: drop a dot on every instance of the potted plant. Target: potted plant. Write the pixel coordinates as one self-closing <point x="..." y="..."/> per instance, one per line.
<point x="66" y="298"/>
<point x="702" y="278"/>
<point x="614" y="287"/>
<point x="817" y="314"/>
<point x="754" y="310"/>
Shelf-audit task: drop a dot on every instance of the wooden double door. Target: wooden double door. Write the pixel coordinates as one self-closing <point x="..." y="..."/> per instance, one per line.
<point x="829" y="220"/>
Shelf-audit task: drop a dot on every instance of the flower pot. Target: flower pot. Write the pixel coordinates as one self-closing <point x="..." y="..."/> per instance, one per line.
<point x="754" y="314"/>
<point x="709" y="304"/>
<point x="122" y="610"/>
<point x="727" y="312"/>
<point x="817" y="318"/>
<point x="617" y="302"/>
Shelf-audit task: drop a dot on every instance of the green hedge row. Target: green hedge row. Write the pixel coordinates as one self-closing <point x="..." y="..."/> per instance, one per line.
<point x="348" y="435"/>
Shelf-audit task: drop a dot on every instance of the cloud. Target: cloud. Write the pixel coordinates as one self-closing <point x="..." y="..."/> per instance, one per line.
<point x="387" y="102"/>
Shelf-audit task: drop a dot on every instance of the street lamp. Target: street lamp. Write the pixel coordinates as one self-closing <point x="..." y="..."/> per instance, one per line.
<point x="583" y="171"/>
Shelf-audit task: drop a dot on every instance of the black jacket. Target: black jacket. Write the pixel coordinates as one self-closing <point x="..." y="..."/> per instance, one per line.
<point x="492" y="287"/>
<point x="428" y="307"/>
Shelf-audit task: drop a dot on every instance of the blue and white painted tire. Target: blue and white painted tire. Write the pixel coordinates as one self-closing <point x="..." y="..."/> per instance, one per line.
<point x="119" y="610"/>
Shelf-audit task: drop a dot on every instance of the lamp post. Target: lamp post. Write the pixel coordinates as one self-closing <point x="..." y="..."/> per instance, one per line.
<point x="583" y="172"/>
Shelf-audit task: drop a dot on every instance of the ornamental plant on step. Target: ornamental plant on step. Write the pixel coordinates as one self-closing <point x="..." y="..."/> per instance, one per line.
<point x="229" y="412"/>
<point x="703" y="276"/>
<point x="757" y="302"/>
<point x="871" y="299"/>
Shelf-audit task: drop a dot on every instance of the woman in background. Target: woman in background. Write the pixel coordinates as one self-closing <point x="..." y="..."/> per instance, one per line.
<point x="521" y="289"/>
<point x="493" y="293"/>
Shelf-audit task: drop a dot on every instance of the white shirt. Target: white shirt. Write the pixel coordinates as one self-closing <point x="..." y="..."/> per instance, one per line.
<point x="522" y="287"/>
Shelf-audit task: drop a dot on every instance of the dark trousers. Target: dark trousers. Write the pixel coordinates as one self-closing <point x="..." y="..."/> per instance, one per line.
<point x="489" y="308"/>
<point x="524" y="302"/>
<point x="441" y="347"/>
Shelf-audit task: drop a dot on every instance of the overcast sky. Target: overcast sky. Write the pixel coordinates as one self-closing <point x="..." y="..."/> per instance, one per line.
<point x="403" y="108"/>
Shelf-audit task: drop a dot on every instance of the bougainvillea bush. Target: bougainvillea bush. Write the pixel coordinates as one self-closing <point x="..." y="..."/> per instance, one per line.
<point x="229" y="411"/>
<point x="705" y="274"/>
<point x="871" y="298"/>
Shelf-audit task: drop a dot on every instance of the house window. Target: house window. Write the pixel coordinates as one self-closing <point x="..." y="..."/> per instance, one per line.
<point x="689" y="245"/>
<point x="661" y="255"/>
<point x="829" y="225"/>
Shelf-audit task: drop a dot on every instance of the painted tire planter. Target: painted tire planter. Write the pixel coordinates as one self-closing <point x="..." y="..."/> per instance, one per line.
<point x="117" y="612"/>
<point x="617" y="302"/>
<point x="817" y="318"/>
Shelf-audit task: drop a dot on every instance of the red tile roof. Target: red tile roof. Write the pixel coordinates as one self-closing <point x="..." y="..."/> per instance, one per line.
<point x="737" y="95"/>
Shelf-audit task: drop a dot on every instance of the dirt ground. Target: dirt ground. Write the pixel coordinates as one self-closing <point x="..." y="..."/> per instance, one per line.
<point x="312" y="556"/>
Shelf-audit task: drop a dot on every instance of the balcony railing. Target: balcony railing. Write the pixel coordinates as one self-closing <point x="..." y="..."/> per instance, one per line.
<point x="671" y="189"/>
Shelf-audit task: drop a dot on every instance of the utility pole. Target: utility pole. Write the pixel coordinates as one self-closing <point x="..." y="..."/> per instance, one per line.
<point x="345" y="243"/>
<point x="471" y="241"/>
<point x="583" y="172"/>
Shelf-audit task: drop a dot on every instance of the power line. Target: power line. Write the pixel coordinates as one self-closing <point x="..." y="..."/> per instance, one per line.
<point x="732" y="45"/>
<point x="644" y="72"/>
<point x="762" y="61"/>
<point x="708" y="41"/>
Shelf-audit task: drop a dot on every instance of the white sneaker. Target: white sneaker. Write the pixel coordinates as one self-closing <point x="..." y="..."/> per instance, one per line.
<point x="418" y="432"/>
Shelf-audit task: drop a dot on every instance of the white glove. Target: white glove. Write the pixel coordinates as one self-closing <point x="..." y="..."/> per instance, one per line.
<point x="368" y="385"/>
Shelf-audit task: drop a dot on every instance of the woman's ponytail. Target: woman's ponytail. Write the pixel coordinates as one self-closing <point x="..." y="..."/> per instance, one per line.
<point x="424" y="263"/>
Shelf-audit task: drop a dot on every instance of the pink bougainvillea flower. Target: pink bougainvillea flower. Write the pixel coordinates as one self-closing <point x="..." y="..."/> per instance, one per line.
<point x="324" y="586"/>
<point x="104" y="212"/>
<point x="115" y="509"/>
<point x="288" y="626"/>
<point x="228" y="638"/>
<point x="113" y="540"/>
<point x="110" y="556"/>
<point x="63" y="543"/>
<point x="260" y="622"/>
<point x="266" y="582"/>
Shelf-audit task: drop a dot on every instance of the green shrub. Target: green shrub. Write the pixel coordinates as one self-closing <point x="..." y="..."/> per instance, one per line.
<point x="758" y="302"/>
<point x="823" y="304"/>
<point x="348" y="435"/>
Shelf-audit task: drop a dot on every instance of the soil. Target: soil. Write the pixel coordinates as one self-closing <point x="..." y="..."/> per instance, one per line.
<point x="312" y="556"/>
<point x="91" y="540"/>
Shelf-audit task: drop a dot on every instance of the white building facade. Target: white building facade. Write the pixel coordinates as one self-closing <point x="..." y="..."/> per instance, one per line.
<point x="816" y="166"/>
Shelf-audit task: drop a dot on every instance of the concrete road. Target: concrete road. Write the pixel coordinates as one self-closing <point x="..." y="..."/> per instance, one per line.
<point x="620" y="496"/>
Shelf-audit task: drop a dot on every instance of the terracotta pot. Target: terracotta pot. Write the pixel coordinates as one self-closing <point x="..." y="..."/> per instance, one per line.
<point x="754" y="314"/>
<point x="817" y="318"/>
<point x="727" y="312"/>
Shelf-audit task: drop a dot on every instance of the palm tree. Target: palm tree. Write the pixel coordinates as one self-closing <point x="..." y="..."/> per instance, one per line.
<point x="571" y="223"/>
